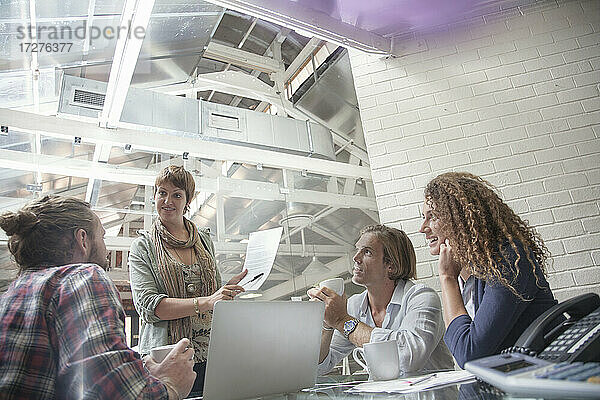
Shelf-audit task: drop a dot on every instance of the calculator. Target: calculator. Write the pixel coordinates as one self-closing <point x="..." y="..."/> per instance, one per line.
<point x="520" y="374"/>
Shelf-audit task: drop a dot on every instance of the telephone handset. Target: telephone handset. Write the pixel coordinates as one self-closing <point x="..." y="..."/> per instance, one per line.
<point x="569" y="331"/>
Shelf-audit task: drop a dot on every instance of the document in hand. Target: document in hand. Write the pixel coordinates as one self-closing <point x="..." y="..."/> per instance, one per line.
<point x="260" y="255"/>
<point x="414" y="383"/>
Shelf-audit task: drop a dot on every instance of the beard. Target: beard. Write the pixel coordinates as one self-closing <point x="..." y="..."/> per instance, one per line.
<point x="96" y="258"/>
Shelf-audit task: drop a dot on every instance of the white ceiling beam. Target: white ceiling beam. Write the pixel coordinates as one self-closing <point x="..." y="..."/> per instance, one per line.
<point x="123" y="243"/>
<point x="295" y="16"/>
<point x="301" y="58"/>
<point x="229" y="187"/>
<point x="241" y="58"/>
<point x="239" y="46"/>
<point x="236" y="83"/>
<point x="333" y="237"/>
<point x="101" y="155"/>
<point x="280" y="37"/>
<point x="136" y="14"/>
<point x="159" y="142"/>
<point x="233" y="82"/>
<point x="301" y="282"/>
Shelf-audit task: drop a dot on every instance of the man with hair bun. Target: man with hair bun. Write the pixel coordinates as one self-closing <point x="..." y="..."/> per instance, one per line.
<point x="391" y="307"/>
<point x="61" y="321"/>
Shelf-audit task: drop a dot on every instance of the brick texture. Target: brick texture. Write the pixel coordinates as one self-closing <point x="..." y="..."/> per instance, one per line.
<point x="516" y="100"/>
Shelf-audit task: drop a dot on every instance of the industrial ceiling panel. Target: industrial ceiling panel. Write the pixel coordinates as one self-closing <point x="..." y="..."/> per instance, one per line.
<point x="14" y="9"/>
<point x="104" y="7"/>
<point x="61" y="9"/>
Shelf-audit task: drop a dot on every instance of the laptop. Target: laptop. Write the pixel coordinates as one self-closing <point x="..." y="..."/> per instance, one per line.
<point x="258" y="348"/>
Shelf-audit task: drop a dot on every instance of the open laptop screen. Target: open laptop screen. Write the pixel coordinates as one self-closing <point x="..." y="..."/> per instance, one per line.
<point x="258" y="348"/>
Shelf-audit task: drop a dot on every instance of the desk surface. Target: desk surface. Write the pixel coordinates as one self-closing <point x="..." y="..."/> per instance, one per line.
<point x="468" y="391"/>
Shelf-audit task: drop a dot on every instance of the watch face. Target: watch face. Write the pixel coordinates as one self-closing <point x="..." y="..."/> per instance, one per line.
<point x="349" y="326"/>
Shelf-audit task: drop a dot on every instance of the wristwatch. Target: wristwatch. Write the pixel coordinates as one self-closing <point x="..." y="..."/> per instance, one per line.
<point x="350" y="326"/>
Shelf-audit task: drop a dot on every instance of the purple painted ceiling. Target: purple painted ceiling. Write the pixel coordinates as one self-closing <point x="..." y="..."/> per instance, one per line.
<point x="390" y="17"/>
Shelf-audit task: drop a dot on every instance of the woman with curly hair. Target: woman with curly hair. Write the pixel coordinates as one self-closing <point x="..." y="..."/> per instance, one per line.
<point x="491" y="265"/>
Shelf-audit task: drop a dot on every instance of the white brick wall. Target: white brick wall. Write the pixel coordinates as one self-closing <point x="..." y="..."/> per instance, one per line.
<point x="515" y="100"/>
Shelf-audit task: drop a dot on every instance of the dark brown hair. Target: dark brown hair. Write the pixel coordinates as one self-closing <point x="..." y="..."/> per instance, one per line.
<point x="41" y="234"/>
<point x="398" y="251"/>
<point x="478" y="224"/>
<point x="178" y="177"/>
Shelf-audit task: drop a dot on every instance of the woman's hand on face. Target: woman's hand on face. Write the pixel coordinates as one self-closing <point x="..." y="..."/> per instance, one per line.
<point x="227" y="292"/>
<point x="237" y="278"/>
<point x="447" y="267"/>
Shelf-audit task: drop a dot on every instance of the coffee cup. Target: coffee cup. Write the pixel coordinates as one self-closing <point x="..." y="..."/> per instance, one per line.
<point x="335" y="284"/>
<point x="158" y="354"/>
<point x="382" y="362"/>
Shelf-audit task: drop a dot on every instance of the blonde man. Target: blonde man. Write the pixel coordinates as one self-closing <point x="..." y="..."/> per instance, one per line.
<point x="391" y="307"/>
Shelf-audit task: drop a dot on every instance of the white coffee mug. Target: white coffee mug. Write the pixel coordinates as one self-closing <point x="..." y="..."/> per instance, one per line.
<point x="382" y="362"/>
<point x="335" y="284"/>
<point x="158" y="354"/>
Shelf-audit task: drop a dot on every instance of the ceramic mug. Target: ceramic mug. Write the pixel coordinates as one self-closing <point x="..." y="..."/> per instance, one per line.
<point x="381" y="358"/>
<point x="158" y="354"/>
<point x="335" y="284"/>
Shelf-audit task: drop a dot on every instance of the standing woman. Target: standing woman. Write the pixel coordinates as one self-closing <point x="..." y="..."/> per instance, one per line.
<point x="491" y="265"/>
<point x="174" y="279"/>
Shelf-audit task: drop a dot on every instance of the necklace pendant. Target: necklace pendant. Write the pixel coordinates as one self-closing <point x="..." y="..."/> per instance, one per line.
<point x="191" y="288"/>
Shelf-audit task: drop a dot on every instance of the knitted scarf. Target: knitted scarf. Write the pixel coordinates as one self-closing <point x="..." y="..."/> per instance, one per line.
<point x="172" y="275"/>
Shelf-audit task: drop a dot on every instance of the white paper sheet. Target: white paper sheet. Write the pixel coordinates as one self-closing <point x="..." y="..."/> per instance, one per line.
<point x="260" y="255"/>
<point x="412" y="384"/>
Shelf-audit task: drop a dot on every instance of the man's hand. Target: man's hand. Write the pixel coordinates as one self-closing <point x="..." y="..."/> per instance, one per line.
<point x="176" y="370"/>
<point x="336" y="312"/>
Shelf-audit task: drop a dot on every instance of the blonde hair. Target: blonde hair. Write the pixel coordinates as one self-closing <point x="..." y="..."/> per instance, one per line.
<point x="478" y="223"/>
<point x="42" y="233"/>
<point x="398" y="251"/>
<point x="178" y="177"/>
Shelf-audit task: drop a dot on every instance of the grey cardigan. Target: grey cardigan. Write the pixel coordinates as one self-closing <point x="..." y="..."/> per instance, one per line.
<point x="148" y="288"/>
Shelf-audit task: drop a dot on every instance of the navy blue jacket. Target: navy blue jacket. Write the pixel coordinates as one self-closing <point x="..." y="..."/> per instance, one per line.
<point x="500" y="316"/>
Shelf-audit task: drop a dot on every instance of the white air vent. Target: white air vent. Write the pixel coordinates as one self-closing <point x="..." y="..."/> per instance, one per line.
<point x="221" y="121"/>
<point x="85" y="98"/>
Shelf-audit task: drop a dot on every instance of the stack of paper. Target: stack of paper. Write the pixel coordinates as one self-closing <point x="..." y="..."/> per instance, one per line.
<point x="414" y="383"/>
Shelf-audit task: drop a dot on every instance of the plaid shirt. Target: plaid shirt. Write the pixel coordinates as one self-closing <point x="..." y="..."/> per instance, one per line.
<point x="62" y="336"/>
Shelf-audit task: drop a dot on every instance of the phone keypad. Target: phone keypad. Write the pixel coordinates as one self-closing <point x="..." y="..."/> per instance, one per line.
<point x="557" y="350"/>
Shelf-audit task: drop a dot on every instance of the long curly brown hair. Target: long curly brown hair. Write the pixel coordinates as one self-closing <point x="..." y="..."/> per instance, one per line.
<point x="479" y="224"/>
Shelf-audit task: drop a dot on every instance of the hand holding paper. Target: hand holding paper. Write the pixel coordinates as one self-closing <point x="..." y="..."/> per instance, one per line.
<point x="260" y="255"/>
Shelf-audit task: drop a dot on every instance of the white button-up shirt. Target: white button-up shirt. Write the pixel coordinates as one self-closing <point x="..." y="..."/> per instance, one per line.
<point x="413" y="317"/>
<point x="466" y="290"/>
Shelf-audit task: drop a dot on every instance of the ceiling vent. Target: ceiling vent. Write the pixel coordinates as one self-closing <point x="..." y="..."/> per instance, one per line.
<point x="85" y="98"/>
<point x="158" y="112"/>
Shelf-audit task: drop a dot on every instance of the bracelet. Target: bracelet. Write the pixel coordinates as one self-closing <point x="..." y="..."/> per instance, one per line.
<point x="327" y="328"/>
<point x="196" y="307"/>
<point x="170" y="388"/>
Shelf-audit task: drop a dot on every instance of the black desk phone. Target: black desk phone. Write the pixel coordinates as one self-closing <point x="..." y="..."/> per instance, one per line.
<point x="558" y="356"/>
<point x="569" y="331"/>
